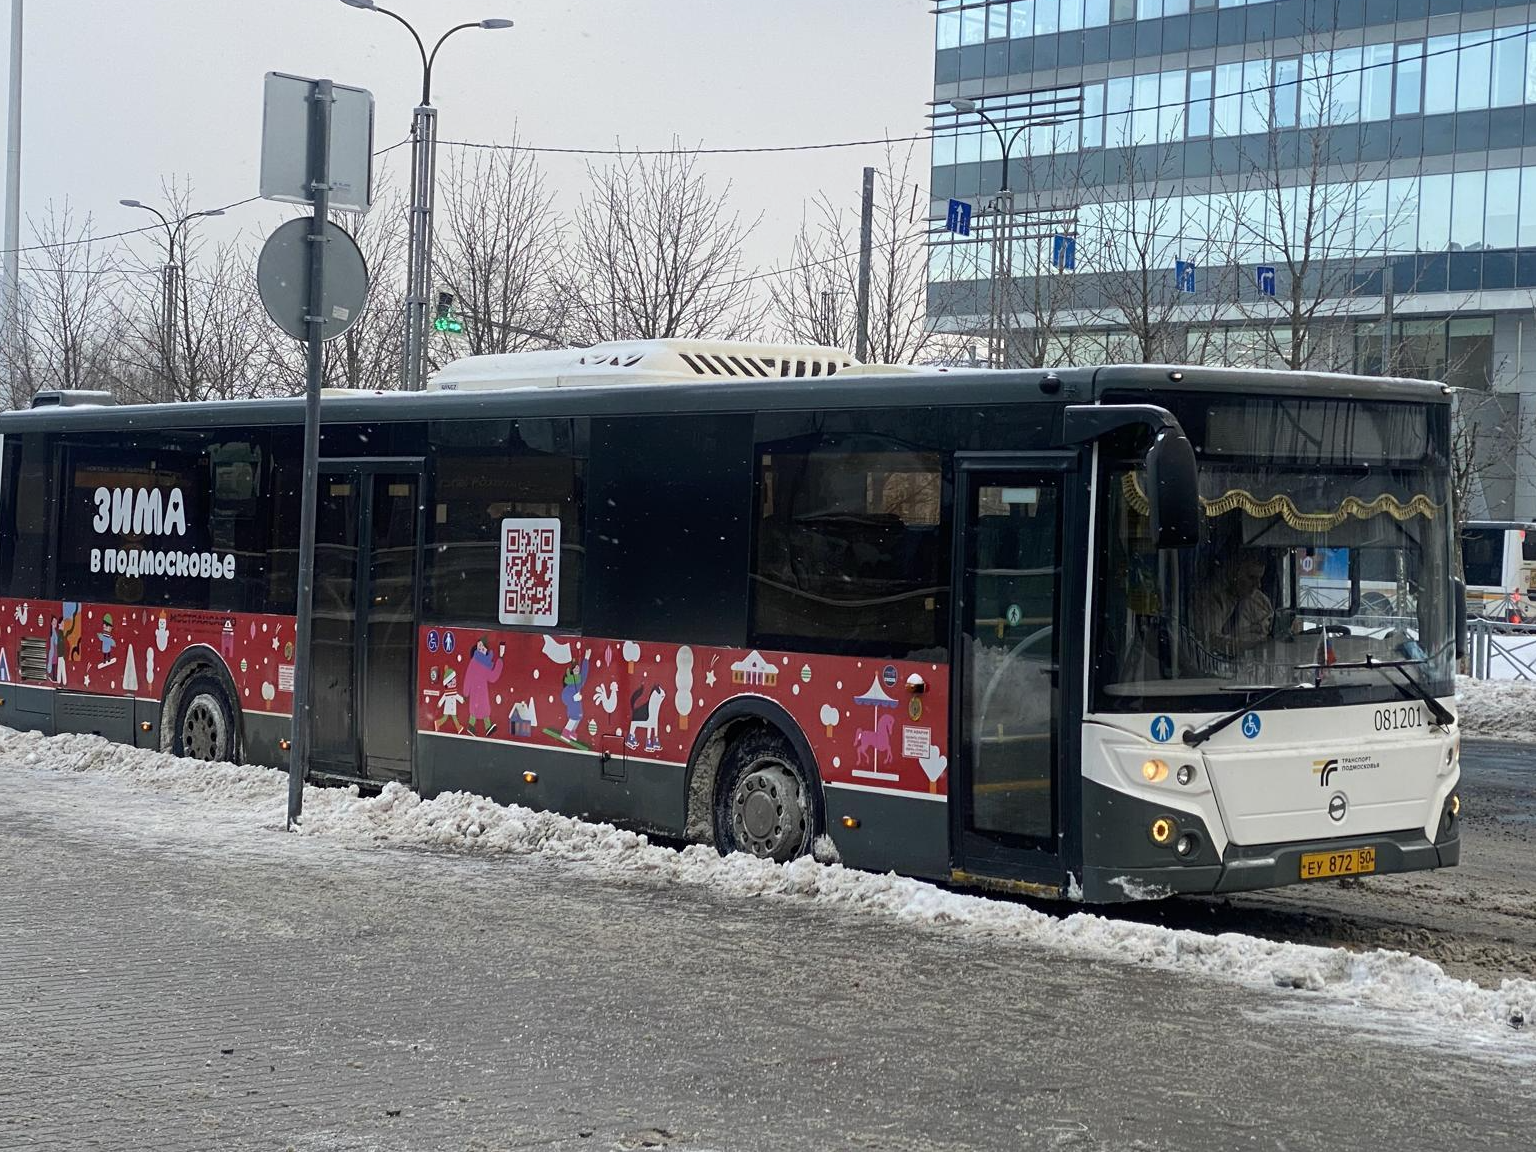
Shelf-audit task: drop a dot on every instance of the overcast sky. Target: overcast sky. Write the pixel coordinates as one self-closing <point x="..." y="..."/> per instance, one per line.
<point x="119" y="95"/>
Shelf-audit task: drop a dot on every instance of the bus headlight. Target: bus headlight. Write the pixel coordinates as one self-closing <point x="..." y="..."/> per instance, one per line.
<point x="1186" y="774"/>
<point x="1455" y="803"/>
<point x="1163" y="831"/>
<point x="1155" y="771"/>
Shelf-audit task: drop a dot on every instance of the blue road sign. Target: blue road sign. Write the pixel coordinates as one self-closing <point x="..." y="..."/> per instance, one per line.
<point x="1184" y="274"/>
<point x="1064" y="253"/>
<point x="959" y="220"/>
<point x="1251" y="725"/>
<point x="1265" y="276"/>
<point x="1162" y="729"/>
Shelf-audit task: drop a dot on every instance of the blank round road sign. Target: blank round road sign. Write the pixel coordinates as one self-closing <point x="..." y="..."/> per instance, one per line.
<point x="282" y="278"/>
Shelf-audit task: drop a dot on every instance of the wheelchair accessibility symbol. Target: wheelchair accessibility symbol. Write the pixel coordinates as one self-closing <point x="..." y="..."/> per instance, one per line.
<point x="1162" y="729"/>
<point x="1251" y="725"/>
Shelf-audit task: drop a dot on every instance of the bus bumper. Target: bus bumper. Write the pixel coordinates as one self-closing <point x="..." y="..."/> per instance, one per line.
<point x="1147" y="872"/>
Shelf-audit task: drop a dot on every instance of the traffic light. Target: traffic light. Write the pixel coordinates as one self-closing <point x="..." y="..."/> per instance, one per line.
<point x="445" y="321"/>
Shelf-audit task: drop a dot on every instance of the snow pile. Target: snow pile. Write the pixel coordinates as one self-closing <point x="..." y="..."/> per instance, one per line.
<point x="1415" y="990"/>
<point x="1500" y="709"/>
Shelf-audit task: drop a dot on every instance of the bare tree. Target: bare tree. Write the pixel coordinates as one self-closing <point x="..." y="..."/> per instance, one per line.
<point x="815" y="299"/>
<point x="497" y="253"/>
<point x="63" y="331"/>
<point x="205" y="340"/>
<point x="654" y="253"/>
<point x="1133" y="239"/>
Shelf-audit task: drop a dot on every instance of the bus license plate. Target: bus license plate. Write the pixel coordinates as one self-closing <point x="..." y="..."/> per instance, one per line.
<point x="1325" y="865"/>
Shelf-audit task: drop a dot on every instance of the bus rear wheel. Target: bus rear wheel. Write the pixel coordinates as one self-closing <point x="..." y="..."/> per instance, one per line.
<point x="764" y="805"/>
<point x="205" y="723"/>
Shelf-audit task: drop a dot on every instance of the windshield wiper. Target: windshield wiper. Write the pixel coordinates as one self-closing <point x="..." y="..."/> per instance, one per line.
<point x="1441" y="714"/>
<point x="1194" y="737"/>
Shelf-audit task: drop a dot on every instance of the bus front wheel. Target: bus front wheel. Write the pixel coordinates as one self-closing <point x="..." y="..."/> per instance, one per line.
<point x="205" y="723"/>
<point x="764" y="804"/>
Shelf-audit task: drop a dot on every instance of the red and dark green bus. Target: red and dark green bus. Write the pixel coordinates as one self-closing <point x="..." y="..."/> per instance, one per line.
<point x="1048" y="631"/>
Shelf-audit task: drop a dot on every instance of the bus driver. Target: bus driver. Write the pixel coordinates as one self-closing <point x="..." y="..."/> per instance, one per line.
<point x="1238" y="616"/>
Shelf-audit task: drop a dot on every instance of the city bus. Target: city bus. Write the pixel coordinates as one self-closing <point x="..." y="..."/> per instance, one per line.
<point x="1498" y="559"/>
<point x="1049" y="632"/>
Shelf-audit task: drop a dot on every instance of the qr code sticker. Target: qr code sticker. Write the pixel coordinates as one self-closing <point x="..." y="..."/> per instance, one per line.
<point x="530" y="572"/>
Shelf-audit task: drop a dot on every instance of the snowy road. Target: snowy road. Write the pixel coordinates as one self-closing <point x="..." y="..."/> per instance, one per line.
<point x="178" y="973"/>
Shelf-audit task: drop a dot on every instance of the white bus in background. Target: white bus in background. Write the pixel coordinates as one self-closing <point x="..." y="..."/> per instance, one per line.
<point x="1499" y="564"/>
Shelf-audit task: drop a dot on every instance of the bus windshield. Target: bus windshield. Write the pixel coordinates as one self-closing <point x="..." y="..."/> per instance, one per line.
<point x="1330" y="548"/>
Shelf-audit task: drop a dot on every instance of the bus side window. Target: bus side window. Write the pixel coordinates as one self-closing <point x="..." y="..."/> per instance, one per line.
<point x="483" y="473"/>
<point x="23" y="515"/>
<point x="851" y="551"/>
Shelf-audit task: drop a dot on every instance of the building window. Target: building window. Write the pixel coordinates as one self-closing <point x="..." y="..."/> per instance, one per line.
<point x="1287" y="87"/>
<point x="1440" y="76"/>
<point x="1474" y="68"/>
<point x="1200" y="102"/>
<point x="1021" y="19"/>
<point x="1410" y="79"/>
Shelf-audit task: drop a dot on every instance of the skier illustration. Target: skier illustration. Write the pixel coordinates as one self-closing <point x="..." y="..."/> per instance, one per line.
<point x="645" y="710"/>
<point x="575" y="678"/>
<point x="107" y="642"/>
<point x="482" y="671"/>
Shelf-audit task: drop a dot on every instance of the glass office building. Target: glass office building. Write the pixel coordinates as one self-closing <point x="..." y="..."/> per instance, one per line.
<point x="1379" y="155"/>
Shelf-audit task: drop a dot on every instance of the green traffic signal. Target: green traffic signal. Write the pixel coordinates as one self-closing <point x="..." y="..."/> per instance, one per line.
<point x="448" y="324"/>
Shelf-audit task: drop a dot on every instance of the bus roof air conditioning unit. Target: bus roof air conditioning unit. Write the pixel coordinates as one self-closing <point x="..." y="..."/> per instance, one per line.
<point x="71" y="398"/>
<point x="643" y="362"/>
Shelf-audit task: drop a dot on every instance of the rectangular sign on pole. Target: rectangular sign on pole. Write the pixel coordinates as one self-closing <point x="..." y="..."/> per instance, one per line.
<point x="286" y="122"/>
<point x="959" y="220"/>
<point x="1184" y="274"/>
<point x="1264" y="275"/>
<point x="1064" y="253"/>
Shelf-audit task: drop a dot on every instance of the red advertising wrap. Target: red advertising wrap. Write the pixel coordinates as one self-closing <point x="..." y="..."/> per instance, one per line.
<point x="111" y="650"/>
<point x="874" y="723"/>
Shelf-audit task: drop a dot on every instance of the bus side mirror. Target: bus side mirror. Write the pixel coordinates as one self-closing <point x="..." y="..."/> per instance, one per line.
<point x="1173" y="490"/>
<point x="1459" y="606"/>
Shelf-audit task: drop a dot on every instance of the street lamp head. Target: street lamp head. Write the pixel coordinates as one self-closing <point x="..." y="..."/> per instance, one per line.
<point x="495" y="22"/>
<point x="130" y="204"/>
<point x="959" y="103"/>
<point x="368" y="4"/>
<point x="212" y="212"/>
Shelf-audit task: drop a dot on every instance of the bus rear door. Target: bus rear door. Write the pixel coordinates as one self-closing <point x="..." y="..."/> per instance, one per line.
<point x="1006" y="799"/>
<point x="366" y="580"/>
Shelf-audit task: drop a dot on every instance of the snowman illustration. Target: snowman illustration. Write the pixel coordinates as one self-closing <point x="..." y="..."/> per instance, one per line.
<point x="162" y="634"/>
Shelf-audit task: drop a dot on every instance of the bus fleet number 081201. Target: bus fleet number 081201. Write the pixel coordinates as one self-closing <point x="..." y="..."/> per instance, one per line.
<point x="1395" y="719"/>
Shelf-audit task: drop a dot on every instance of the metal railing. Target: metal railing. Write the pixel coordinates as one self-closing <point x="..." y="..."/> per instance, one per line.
<point x="1497" y="650"/>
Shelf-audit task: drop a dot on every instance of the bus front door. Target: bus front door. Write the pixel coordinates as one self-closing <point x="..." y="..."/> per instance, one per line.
<point x="1005" y="791"/>
<point x="367" y="525"/>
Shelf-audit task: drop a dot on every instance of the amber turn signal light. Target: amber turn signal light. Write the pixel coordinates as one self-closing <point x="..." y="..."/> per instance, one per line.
<point x="850" y="821"/>
<point x="530" y="777"/>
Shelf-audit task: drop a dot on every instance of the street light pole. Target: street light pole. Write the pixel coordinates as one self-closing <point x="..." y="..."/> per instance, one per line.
<point x="1002" y="240"/>
<point x="13" y="179"/>
<point x="418" y="259"/>
<point x="1000" y="316"/>
<point x="171" y="276"/>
